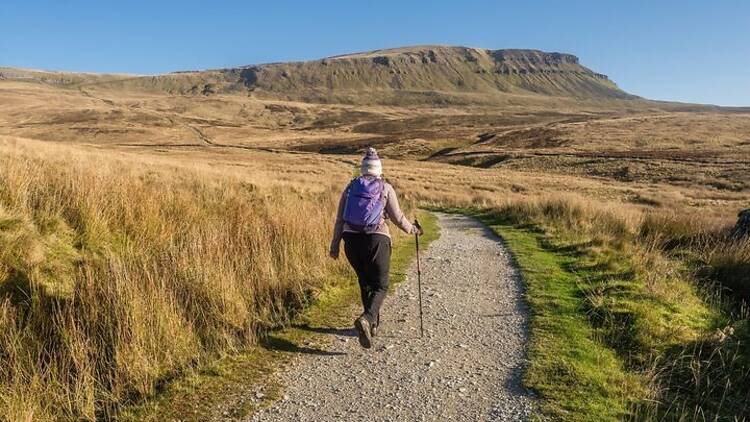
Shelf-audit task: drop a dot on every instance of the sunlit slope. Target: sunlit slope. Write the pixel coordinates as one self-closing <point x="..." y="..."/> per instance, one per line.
<point x="424" y="74"/>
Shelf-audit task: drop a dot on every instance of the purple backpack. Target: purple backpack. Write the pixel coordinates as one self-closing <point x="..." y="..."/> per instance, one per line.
<point x="365" y="203"/>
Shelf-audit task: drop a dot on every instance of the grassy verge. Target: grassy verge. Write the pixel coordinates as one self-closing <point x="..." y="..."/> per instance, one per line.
<point x="619" y="332"/>
<point x="238" y="384"/>
<point x="579" y="377"/>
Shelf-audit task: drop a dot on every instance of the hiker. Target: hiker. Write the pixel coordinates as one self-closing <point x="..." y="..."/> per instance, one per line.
<point x="365" y="206"/>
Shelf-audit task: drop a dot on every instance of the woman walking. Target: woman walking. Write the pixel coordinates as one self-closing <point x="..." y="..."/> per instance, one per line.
<point x="365" y="206"/>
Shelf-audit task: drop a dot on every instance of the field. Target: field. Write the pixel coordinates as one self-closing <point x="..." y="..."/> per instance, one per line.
<point x="143" y="233"/>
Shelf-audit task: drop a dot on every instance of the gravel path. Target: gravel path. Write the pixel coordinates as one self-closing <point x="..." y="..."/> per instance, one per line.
<point x="468" y="367"/>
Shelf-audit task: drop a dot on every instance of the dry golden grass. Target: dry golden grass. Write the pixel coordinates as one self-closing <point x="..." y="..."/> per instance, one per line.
<point x="117" y="273"/>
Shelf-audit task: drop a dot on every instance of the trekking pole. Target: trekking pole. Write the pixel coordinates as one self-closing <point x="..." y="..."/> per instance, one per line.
<point x="419" y="282"/>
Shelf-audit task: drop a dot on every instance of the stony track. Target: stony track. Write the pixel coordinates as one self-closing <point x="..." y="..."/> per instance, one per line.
<point x="468" y="366"/>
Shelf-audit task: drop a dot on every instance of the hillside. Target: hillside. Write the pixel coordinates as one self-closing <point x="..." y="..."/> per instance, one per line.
<point x="425" y="74"/>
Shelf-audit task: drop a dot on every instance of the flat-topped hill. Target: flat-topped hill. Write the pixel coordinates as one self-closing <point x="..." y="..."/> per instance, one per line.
<point x="422" y="74"/>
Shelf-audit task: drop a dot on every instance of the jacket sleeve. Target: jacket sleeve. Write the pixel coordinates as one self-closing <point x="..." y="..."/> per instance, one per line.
<point x="393" y="210"/>
<point x="338" y="226"/>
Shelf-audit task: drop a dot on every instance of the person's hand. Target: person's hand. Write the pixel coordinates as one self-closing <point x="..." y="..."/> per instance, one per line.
<point x="418" y="230"/>
<point x="334" y="254"/>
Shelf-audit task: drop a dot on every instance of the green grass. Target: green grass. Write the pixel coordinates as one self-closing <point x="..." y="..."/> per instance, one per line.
<point x="231" y="384"/>
<point x="578" y="377"/>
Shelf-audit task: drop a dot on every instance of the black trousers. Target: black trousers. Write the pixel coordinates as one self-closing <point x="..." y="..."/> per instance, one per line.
<point x="370" y="256"/>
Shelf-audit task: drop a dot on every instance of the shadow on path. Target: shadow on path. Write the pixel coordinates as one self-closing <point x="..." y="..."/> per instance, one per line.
<point x="348" y="332"/>
<point x="283" y="345"/>
<point x="351" y="332"/>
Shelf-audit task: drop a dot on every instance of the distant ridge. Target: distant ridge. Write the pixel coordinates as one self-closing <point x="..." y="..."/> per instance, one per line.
<point x="420" y="74"/>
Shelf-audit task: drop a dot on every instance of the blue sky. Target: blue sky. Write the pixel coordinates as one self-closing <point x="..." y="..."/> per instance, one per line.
<point x="694" y="51"/>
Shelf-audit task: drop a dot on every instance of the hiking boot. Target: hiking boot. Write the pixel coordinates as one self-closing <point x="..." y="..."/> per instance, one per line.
<point x="363" y="329"/>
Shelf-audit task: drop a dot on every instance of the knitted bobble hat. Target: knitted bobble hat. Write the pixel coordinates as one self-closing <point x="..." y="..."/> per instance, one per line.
<point x="371" y="164"/>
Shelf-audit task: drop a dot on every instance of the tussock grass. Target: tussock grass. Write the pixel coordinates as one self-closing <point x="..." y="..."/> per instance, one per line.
<point x="115" y="275"/>
<point x="708" y="245"/>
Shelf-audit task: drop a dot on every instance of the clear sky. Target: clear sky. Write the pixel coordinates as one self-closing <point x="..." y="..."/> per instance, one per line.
<point x="694" y="51"/>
